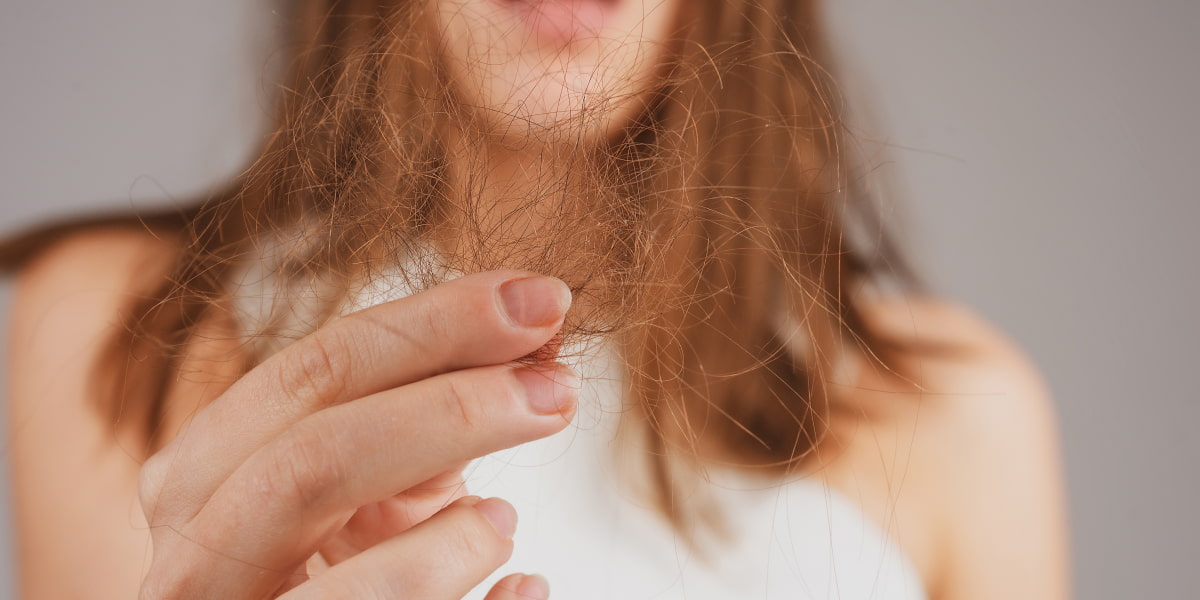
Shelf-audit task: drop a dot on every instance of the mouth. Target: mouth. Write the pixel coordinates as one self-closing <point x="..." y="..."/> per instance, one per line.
<point x="561" y="22"/>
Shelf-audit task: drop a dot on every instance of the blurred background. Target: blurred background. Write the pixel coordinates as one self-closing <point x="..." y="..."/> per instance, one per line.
<point x="1046" y="152"/>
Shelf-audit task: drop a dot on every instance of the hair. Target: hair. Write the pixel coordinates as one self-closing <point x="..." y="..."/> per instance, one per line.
<point x="721" y="240"/>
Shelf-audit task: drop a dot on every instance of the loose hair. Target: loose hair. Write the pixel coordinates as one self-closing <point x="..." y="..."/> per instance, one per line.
<point x="721" y="240"/>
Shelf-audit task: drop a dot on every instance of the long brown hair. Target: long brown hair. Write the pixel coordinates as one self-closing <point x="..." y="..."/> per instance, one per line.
<point x="726" y="229"/>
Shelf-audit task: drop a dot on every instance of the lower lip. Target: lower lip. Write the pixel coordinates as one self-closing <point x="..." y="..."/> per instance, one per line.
<point x="562" y="21"/>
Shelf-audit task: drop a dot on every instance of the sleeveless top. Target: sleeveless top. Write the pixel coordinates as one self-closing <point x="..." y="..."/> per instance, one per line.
<point x="581" y="526"/>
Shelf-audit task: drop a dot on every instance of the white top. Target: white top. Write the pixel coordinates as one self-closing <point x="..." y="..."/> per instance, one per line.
<point x="581" y="527"/>
<point x="594" y="540"/>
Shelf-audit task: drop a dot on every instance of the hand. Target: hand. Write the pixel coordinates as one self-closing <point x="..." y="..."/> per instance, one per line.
<point x="343" y="445"/>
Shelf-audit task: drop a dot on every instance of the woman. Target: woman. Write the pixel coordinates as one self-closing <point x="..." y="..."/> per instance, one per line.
<point x="622" y="238"/>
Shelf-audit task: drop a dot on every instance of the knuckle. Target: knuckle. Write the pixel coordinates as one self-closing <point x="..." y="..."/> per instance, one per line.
<point x="473" y="542"/>
<point x="458" y="402"/>
<point x="152" y="479"/>
<point x="303" y="469"/>
<point x="480" y="398"/>
<point x="316" y="373"/>
<point x="465" y="549"/>
<point x="436" y="321"/>
<point x="162" y="496"/>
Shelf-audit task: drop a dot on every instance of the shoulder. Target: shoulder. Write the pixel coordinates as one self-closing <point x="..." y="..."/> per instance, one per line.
<point x="968" y="374"/>
<point x="954" y="445"/>
<point x="85" y="277"/>
<point x="69" y="302"/>
<point x="75" y="288"/>
<point x="101" y="259"/>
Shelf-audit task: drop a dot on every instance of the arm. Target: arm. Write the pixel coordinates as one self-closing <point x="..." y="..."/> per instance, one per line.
<point x="958" y="457"/>
<point x="74" y="484"/>
<point x="1006" y="535"/>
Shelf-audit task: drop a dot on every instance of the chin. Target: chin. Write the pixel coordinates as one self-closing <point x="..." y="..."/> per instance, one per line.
<point x="558" y="71"/>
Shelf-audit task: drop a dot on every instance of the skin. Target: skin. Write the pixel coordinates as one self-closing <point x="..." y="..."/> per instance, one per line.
<point x="538" y="95"/>
<point x="965" y="476"/>
<point x="347" y="447"/>
<point x="558" y="86"/>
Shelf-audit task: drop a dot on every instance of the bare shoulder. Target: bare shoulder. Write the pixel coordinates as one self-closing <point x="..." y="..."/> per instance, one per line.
<point x="967" y="369"/>
<point x="68" y="303"/>
<point x="107" y="260"/>
<point x="73" y="290"/>
<point x="954" y="447"/>
<point x="70" y="297"/>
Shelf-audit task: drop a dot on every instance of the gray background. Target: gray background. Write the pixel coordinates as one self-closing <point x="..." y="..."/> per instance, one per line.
<point x="1046" y="150"/>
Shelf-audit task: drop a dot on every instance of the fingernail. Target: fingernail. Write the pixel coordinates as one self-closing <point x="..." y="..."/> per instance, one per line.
<point x="535" y="301"/>
<point x="549" y="389"/>
<point x="533" y="586"/>
<point x="500" y="514"/>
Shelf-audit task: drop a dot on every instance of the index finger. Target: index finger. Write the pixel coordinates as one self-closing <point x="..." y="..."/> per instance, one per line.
<point x="476" y="320"/>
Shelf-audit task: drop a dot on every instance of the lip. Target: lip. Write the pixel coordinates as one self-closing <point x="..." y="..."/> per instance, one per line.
<point x="561" y="22"/>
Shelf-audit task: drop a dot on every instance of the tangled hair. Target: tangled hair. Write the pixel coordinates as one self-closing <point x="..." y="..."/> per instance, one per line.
<point x="719" y="240"/>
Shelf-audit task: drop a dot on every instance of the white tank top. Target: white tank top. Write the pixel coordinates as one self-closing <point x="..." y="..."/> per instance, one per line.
<point x="579" y="526"/>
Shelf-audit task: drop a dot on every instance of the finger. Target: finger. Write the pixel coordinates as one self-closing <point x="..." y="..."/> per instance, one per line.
<point x="289" y="497"/>
<point x="481" y="319"/>
<point x="376" y="522"/>
<point x="520" y="586"/>
<point x="442" y="558"/>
